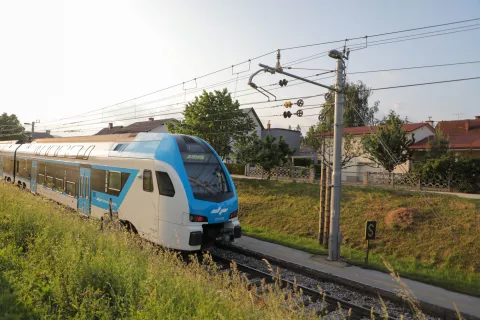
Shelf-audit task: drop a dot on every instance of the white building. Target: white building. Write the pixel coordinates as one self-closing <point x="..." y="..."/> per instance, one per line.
<point x="354" y="169"/>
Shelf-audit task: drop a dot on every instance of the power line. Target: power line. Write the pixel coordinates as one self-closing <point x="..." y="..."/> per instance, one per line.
<point x="380" y="34"/>
<point x="362" y="46"/>
<point x="425" y="83"/>
<point x="291" y="62"/>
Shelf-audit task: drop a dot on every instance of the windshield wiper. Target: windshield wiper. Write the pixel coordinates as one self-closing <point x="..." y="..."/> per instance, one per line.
<point x="198" y="183"/>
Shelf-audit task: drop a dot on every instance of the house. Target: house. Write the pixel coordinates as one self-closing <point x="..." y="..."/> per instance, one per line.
<point x="460" y="127"/>
<point x="291" y="137"/>
<point x="463" y="138"/>
<point x="256" y="121"/>
<point x="353" y="170"/>
<point x="151" y="125"/>
<point x="38" y="135"/>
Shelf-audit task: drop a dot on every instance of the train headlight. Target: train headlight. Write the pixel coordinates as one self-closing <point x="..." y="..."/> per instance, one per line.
<point x="196" y="218"/>
<point x="234" y="214"/>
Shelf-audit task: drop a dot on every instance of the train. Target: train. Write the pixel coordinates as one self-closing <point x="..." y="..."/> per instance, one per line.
<point x="171" y="189"/>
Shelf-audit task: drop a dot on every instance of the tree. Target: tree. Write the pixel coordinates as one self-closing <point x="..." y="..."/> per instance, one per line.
<point x="246" y="150"/>
<point x="298" y="128"/>
<point x="389" y="146"/>
<point x="267" y="153"/>
<point x="438" y="145"/>
<point x="356" y="111"/>
<point x="322" y="143"/>
<point x="217" y="119"/>
<point x="11" y="128"/>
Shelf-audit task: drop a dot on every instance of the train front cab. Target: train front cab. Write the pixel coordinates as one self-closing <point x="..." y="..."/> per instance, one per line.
<point x="206" y="203"/>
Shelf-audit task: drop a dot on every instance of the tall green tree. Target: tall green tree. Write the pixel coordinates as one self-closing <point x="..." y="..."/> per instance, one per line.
<point x="267" y="152"/>
<point x="438" y="145"/>
<point x="11" y="128"/>
<point x="217" y="119"/>
<point x="390" y="145"/>
<point x="356" y="109"/>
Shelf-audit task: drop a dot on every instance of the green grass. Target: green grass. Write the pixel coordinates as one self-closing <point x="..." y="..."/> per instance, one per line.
<point x="441" y="247"/>
<point x="55" y="264"/>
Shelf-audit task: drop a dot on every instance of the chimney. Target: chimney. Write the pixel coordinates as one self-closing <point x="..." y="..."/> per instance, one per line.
<point x="47" y="131"/>
<point x="150" y="119"/>
<point x="110" y="125"/>
<point x="467" y="125"/>
<point x="268" y="125"/>
<point x="477" y="117"/>
<point x="429" y="121"/>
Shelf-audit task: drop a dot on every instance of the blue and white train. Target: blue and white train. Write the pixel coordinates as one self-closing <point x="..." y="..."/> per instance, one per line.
<point x="173" y="190"/>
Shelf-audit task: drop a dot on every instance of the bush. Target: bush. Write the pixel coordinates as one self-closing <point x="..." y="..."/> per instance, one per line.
<point x="235" y="168"/>
<point x="56" y="265"/>
<point x="463" y="171"/>
<point x="303" y="162"/>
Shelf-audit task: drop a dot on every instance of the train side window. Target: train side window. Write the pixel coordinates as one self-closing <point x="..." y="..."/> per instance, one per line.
<point x="115" y="180"/>
<point x="59" y="185"/>
<point x="165" y="185"/>
<point x="41" y="179"/>
<point x="71" y="188"/>
<point x="50" y="183"/>
<point x="147" y="181"/>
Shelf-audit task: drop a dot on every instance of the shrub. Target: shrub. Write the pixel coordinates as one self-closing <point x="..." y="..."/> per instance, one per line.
<point x="235" y="168"/>
<point x="55" y="264"/>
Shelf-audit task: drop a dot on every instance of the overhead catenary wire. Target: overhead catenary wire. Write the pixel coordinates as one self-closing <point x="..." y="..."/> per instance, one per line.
<point x="381" y="34"/>
<point x="288" y="48"/>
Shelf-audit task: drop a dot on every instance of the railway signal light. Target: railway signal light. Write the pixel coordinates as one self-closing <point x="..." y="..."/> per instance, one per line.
<point x="287" y="114"/>
<point x="283" y="82"/>
<point x="288" y="104"/>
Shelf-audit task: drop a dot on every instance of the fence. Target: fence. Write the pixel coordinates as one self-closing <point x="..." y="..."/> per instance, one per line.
<point x="380" y="179"/>
<point x="283" y="173"/>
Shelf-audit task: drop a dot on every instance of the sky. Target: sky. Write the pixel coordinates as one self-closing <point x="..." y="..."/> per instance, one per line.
<point x="69" y="65"/>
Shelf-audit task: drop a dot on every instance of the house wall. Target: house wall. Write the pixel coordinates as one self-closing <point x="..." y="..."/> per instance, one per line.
<point x="292" y="137"/>
<point x="258" y="127"/>
<point x="160" y="129"/>
<point x="355" y="168"/>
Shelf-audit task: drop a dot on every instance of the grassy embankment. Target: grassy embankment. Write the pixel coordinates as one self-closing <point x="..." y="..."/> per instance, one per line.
<point x="54" y="264"/>
<point x="439" y="246"/>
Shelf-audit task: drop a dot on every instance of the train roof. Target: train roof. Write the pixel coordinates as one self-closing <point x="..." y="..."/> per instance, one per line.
<point x="141" y="145"/>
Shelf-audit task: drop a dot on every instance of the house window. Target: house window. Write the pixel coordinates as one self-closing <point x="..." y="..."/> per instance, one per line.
<point x="147" y="181"/>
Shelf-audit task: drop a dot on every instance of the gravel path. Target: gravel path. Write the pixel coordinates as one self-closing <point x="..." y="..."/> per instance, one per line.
<point x="330" y="288"/>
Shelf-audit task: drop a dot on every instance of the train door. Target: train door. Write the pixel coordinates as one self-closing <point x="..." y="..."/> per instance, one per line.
<point x="84" y="191"/>
<point x="33" y="177"/>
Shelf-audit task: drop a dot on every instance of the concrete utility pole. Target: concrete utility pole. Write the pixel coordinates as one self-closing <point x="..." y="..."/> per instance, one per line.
<point x="33" y="129"/>
<point x="335" y="237"/>
<point x="335" y="234"/>
<point x="328" y="202"/>
<point x="321" y="212"/>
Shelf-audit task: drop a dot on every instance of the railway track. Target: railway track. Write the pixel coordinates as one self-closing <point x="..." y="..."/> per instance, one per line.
<point x="322" y="302"/>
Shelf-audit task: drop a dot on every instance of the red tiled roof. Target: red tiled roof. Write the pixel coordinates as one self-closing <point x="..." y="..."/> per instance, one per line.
<point x="409" y="127"/>
<point x="460" y="127"/>
<point x="455" y="142"/>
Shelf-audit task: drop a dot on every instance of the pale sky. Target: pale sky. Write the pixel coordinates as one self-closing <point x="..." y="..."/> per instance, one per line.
<point x="63" y="58"/>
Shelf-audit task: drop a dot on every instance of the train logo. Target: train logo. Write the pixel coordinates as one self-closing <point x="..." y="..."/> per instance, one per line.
<point x="219" y="210"/>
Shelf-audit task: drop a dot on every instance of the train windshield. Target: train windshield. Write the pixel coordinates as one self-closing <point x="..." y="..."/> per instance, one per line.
<point x="205" y="174"/>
